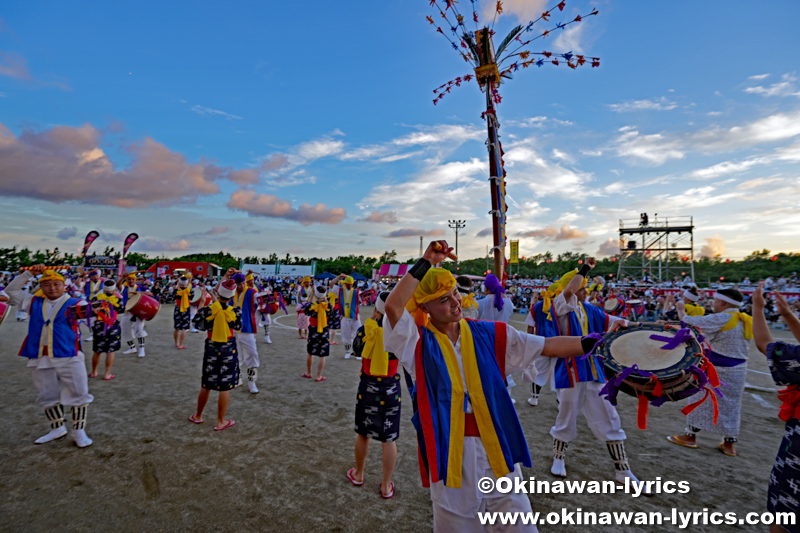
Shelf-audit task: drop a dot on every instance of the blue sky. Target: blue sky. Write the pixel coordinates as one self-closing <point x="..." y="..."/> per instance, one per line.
<point x="309" y="127"/>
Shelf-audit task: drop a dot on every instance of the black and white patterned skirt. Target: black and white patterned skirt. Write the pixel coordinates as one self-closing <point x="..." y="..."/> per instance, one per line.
<point x="105" y="340"/>
<point x="220" y="365"/>
<point x="181" y="320"/>
<point x="319" y="344"/>
<point x="378" y="407"/>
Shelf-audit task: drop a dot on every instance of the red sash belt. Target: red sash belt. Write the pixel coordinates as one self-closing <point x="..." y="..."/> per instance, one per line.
<point x="471" y="426"/>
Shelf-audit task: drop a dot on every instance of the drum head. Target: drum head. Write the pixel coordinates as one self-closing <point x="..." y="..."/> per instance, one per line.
<point x="133" y="300"/>
<point x="633" y="302"/>
<point x="610" y="304"/>
<point x="633" y="346"/>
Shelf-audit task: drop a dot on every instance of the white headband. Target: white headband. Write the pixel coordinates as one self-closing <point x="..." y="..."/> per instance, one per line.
<point x="691" y="296"/>
<point x="723" y="298"/>
<point x="380" y="305"/>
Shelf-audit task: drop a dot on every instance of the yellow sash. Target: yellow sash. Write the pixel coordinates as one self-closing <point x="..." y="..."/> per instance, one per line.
<point x="112" y="299"/>
<point x="468" y="301"/>
<point x="348" y="301"/>
<point x="694" y="310"/>
<point x="747" y="322"/>
<point x="321" y="308"/>
<point x="221" y="316"/>
<point x="373" y="348"/>
<point x="184" y="294"/>
<point x="46" y="338"/>
<point x="491" y="442"/>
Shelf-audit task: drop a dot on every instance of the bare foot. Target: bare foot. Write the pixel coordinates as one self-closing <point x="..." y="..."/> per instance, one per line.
<point x="93" y="375"/>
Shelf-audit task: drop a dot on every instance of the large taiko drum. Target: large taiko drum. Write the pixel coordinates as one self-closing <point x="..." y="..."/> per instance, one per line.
<point x="197" y="297"/>
<point x="661" y="362"/>
<point x="611" y="305"/>
<point x="142" y="306"/>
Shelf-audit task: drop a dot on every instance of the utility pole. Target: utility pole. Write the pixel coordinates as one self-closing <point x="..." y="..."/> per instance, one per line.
<point x="420" y="246"/>
<point x="456" y="225"/>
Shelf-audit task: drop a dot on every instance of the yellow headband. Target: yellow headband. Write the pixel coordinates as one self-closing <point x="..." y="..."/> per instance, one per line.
<point x="436" y="283"/>
<point x="306" y="279"/>
<point x="566" y="278"/>
<point x="51" y="275"/>
<point x="249" y="277"/>
<point x="349" y="279"/>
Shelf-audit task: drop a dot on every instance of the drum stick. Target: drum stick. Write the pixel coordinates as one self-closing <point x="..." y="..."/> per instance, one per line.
<point x="438" y="248"/>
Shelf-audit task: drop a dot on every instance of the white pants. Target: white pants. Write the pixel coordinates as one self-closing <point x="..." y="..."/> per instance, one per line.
<point x="246" y="344"/>
<point x="349" y="329"/>
<point x="584" y="398"/>
<point x="192" y="312"/>
<point x="266" y="319"/>
<point x="445" y="521"/>
<point x="543" y="370"/>
<point x="131" y="329"/>
<point x="65" y="384"/>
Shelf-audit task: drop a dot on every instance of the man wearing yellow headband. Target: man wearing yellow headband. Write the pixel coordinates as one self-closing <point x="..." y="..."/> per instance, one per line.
<point x="181" y="317"/>
<point x="728" y="332"/>
<point x="53" y="351"/>
<point x="578" y="382"/>
<point x="349" y="297"/>
<point x="467" y="426"/>
<point x="132" y="326"/>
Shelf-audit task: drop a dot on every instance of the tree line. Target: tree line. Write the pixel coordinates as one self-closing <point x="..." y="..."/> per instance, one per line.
<point x="758" y="265"/>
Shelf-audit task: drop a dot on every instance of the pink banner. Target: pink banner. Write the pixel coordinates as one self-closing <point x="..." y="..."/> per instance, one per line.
<point x="129" y="240"/>
<point x="87" y="242"/>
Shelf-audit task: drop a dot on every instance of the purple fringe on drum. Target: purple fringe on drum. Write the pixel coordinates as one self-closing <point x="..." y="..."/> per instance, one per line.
<point x="611" y="388"/>
<point x="683" y="335"/>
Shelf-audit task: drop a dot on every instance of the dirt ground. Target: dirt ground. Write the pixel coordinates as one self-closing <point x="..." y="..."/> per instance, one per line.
<point x="282" y="467"/>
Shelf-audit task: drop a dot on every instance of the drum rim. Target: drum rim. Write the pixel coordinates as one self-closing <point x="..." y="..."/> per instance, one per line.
<point x="135" y="297"/>
<point x="693" y="354"/>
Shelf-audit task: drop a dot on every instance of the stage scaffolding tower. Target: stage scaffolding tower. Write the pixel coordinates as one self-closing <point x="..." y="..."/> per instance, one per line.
<point x="661" y="248"/>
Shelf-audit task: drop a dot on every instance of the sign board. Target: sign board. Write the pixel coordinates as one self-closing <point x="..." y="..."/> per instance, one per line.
<point x="514" y="252"/>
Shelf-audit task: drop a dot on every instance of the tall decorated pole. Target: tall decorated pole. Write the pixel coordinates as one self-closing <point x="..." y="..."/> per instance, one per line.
<point x="491" y="66"/>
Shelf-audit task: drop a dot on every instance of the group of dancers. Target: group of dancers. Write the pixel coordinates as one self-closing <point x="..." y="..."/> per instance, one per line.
<point x="457" y="370"/>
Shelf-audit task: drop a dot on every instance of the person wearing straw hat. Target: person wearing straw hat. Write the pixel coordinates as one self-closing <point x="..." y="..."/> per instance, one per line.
<point x="181" y="318"/>
<point x="728" y="332"/>
<point x="578" y="382"/>
<point x="467" y="427"/>
<point x="348" y="312"/>
<point x="52" y="347"/>
<point x="106" y="329"/>
<point x="220" y="357"/>
<point x="377" y="400"/>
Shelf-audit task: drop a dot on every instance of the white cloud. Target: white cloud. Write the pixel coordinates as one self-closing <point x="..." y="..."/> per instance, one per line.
<point x="661" y="104"/>
<point x="655" y="149"/>
<point x="727" y="167"/>
<point x="772" y="128"/>
<point x="714" y="247"/>
<point x="571" y="39"/>
<point x="758" y="77"/>
<point x="783" y="88"/>
<point x="207" y="111"/>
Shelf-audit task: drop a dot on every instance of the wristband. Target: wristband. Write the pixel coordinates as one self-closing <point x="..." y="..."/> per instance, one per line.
<point x="419" y="269"/>
<point x="588" y="344"/>
<point x="584" y="270"/>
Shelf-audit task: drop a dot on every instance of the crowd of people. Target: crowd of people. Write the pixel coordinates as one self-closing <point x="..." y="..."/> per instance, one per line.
<point x="449" y="339"/>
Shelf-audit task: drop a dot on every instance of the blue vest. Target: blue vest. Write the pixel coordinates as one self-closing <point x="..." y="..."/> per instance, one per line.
<point x="248" y="310"/>
<point x="572" y="370"/>
<point x="354" y="293"/>
<point x="66" y="338"/>
<point x="432" y="417"/>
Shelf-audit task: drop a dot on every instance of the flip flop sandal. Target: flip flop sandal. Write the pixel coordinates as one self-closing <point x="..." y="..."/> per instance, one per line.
<point x="195" y="421"/>
<point x="352" y="479"/>
<point x="109" y="378"/>
<point x="305" y="376"/>
<point x="229" y="423"/>
<point x="334" y="344"/>
<point x="391" y="492"/>
<point x="181" y="347"/>
<point x="726" y="453"/>
<point x="675" y="440"/>
<point x="323" y="378"/>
